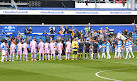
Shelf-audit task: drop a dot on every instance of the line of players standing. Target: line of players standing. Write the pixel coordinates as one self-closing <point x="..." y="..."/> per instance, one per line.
<point x="47" y="50"/>
<point x="94" y="49"/>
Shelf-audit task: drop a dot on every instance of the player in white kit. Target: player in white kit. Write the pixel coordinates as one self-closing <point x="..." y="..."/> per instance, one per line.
<point x="12" y="51"/>
<point x="19" y="51"/>
<point x="68" y="49"/>
<point x="33" y="47"/>
<point x="3" y="50"/>
<point x="52" y="49"/>
<point x="127" y="49"/>
<point x="130" y="47"/>
<point x="119" y="48"/>
<point x="6" y="49"/>
<point x="104" y="50"/>
<point x="41" y="50"/>
<point x="47" y="46"/>
<point x="108" y="49"/>
<point x="25" y="51"/>
<point x="59" y="49"/>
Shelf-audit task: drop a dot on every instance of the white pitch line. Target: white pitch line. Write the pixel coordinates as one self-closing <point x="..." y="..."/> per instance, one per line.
<point x="97" y="74"/>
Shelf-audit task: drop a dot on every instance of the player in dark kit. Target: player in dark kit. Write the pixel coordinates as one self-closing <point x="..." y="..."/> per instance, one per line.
<point x="87" y="45"/>
<point x="80" y="49"/>
<point x="95" y="48"/>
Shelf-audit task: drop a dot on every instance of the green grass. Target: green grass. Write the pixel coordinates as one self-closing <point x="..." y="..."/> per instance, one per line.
<point x="69" y="70"/>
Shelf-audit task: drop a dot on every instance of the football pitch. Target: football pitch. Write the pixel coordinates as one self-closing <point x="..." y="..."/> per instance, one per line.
<point x="70" y="70"/>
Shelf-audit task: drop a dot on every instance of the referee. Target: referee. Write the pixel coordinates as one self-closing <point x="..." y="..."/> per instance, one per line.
<point x="74" y="48"/>
<point x="95" y="48"/>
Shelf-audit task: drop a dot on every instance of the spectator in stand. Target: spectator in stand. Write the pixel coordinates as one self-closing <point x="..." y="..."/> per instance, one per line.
<point x="60" y="32"/>
<point x="66" y="29"/>
<point x="51" y="30"/>
<point x="126" y="33"/>
<point x="45" y="32"/>
<point x="130" y="34"/>
<point x="101" y="31"/>
<point x="101" y="36"/>
<point x="106" y="30"/>
<point x="123" y="33"/>
<point x="26" y="30"/>
<point x="135" y="41"/>
<point x="86" y="30"/>
<point x="30" y="30"/>
<point x="136" y="30"/>
<point x="82" y="34"/>
<point x="62" y="29"/>
<point x="73" y="32"/>
<point x="46" y="35"/>
<point x="77" y="34"/>
<point x="69" y="31"/>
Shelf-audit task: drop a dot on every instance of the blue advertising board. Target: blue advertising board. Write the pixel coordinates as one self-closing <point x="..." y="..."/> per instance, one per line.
<point x="11" y="29"/>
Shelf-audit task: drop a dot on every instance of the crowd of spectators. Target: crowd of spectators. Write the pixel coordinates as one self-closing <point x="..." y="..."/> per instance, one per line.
<point x="28" y="31"/>
<point x="87" y="33"/>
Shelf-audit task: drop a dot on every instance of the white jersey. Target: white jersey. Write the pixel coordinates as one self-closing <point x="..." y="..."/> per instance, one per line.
<point x="119" y="44"/>
<point x="127" y="45"/>
<point x="130" y="44"/>
<point x="33" y="44"/>
<point x="68" y="45"/>
<point x="108" y="45"/>
<point x="3" y="47"/>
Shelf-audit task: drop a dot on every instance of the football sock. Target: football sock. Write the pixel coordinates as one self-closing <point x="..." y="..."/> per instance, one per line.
<point x="66" y="56"/>
<point x="42" y="56"/>
<point x="20" y="56"/>
<point x="76" y="56"/>
<point x="13" y="57"/>
<point x="31" y="56"/>
<point x="39" y="56"/>
<point x="2" y="58"/>
<point x="9" y="57"/>
<point x="54" y="56"/>
<point x="6" y="57"/>
<point x="26" y="57"/>
<point x="17" y="56"/>
<point x="88" y="55"/>
<point x="132" y="54"/>
<point x="51" y="56"/>
<point x="35" y="56"/>
<point x="23" y="57"/>
<point x="48" y="56"/>
<point x="45" y="56"/>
